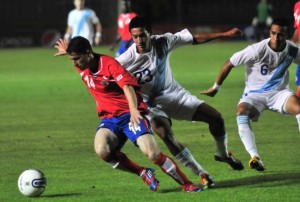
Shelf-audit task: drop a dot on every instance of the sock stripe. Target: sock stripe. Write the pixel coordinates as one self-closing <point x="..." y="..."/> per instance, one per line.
<point x="243" y="119"/>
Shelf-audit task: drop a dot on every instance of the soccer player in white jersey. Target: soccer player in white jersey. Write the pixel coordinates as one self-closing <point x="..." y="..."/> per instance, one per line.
<point x="267" y="83"/>
<point x="81" y="22"/>
<point x="148" y="60"/>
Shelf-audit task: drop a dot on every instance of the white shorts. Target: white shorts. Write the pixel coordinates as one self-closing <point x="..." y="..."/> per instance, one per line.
<point x="273" y="100"/>
<point x="179" y="104"/>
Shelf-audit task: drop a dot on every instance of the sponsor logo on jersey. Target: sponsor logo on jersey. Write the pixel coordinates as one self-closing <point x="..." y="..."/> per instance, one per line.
<point x="119" y="77"/>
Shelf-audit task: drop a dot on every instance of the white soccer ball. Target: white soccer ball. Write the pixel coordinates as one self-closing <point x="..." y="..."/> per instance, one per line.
<point x="32" y="182"/>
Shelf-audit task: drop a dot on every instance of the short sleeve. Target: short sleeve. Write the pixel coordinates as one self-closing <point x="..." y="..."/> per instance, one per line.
<point x="242" y="57"/>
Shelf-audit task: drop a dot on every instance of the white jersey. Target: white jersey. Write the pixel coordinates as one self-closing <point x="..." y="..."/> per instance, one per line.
<point x="266" y="69"/>
<point x="82" y="23"/>
<point x="152" y="69"/>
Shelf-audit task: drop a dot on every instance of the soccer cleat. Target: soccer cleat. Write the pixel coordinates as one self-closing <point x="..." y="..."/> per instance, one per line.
<point x="207" y="181"/>
<point x="191" y="188"/>
<point x="256" y="163"/>
<point x="148" y="176"/>
<point x="233" y="162"/>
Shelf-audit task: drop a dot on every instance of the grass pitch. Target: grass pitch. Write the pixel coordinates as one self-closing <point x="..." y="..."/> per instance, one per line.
<point x="48" y="121"/>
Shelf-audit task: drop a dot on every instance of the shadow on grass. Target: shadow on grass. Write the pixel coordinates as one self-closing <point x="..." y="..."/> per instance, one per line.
<point x="264" y="180"/>
<point x="175" y="189"/>
<point x="60" y="195"/>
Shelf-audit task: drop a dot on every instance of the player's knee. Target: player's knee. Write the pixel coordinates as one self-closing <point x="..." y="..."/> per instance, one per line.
<point x="161" y="126"/>
<point x="152" y="155"/>
<point x="101" y="151"/>
<point x="296" y="110"/>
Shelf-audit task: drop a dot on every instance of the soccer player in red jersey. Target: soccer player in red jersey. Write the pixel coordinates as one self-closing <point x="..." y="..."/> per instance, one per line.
<point x="122" y="112"/>
<point x="123" y="28"/>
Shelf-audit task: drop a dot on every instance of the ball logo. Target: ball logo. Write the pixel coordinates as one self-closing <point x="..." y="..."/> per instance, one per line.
<point x="37" y="183"/>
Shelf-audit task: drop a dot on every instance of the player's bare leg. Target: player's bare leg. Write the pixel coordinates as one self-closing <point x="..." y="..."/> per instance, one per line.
<point x="293" y="107"/>
<point x="149" y="147"/>
<point x="105" y="144"/>
<point x="210" y="115"/>
<point x="162" y="127"/>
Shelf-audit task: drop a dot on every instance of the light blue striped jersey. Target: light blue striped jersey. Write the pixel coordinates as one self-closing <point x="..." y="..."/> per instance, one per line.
<point x="82" y="23"/>
<point x="153" y="69"/>
<point x="266" y="69"/>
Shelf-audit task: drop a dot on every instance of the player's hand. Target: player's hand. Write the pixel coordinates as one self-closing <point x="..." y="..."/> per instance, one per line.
<point x="234" y="32"/>
<point x="210" y="92"/>
<point x="61" y="46"/>
<point x="135" y="117"/>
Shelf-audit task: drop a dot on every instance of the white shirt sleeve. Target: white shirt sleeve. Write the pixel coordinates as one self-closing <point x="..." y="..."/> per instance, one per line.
<point x="94" y="17"/>
<point x="242" y="57"/>
<point x="70" y="18"/>
<point x="178" y="39"/>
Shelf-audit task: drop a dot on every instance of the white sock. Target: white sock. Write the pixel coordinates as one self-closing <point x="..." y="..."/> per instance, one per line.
<point x="247" y="135"/>
<point x="298" y="120"/>
<point x="221" y="144"/>
<point x="187" y="160"/>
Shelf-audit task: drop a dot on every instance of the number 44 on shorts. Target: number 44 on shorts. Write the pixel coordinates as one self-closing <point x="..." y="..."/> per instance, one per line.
<point x="134" y="128"/>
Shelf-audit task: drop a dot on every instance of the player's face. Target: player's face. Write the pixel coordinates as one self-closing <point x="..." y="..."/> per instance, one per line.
<point x="80" y="60"/>
<point x="278" y="37"/>
<point x="142" y="39"/>
<point x="79" y="4"/>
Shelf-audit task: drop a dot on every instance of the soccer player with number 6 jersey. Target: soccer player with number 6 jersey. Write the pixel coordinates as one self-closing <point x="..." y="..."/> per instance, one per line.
<point x="267" y="83"/>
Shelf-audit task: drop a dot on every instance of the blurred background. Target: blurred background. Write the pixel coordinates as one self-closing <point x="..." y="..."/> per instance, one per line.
<point x="41" y="22"/>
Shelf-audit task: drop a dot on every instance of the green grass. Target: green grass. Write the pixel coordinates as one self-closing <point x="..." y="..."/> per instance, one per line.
<point x="48" y="121"/>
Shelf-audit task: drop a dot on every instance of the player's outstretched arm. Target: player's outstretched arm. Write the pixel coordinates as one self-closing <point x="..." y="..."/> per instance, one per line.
<point x="212" y="91"/>
<point x="98" y="36"/>
<point x="135" y="115"/>
<point x="206" y="37"/>
<point x="61" y="46"/>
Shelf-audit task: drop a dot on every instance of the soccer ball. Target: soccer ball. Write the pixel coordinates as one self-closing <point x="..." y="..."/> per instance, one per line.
<point x="32" y="182"/>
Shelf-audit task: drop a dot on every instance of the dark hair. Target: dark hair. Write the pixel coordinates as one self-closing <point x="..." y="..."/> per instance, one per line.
<point x="140" y="21"/>
<point x="79" y="45"/>
<point x="281" y="22"/>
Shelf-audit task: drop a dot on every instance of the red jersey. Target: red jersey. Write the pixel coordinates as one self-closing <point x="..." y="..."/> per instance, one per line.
<point x="106" y="86"/>
<point x="123" y="25"/>
<point x="297" y="17"/>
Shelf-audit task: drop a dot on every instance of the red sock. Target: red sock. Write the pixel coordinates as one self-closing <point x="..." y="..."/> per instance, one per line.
<point x="119" y="160"/>
<point x="168" y="166"/>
